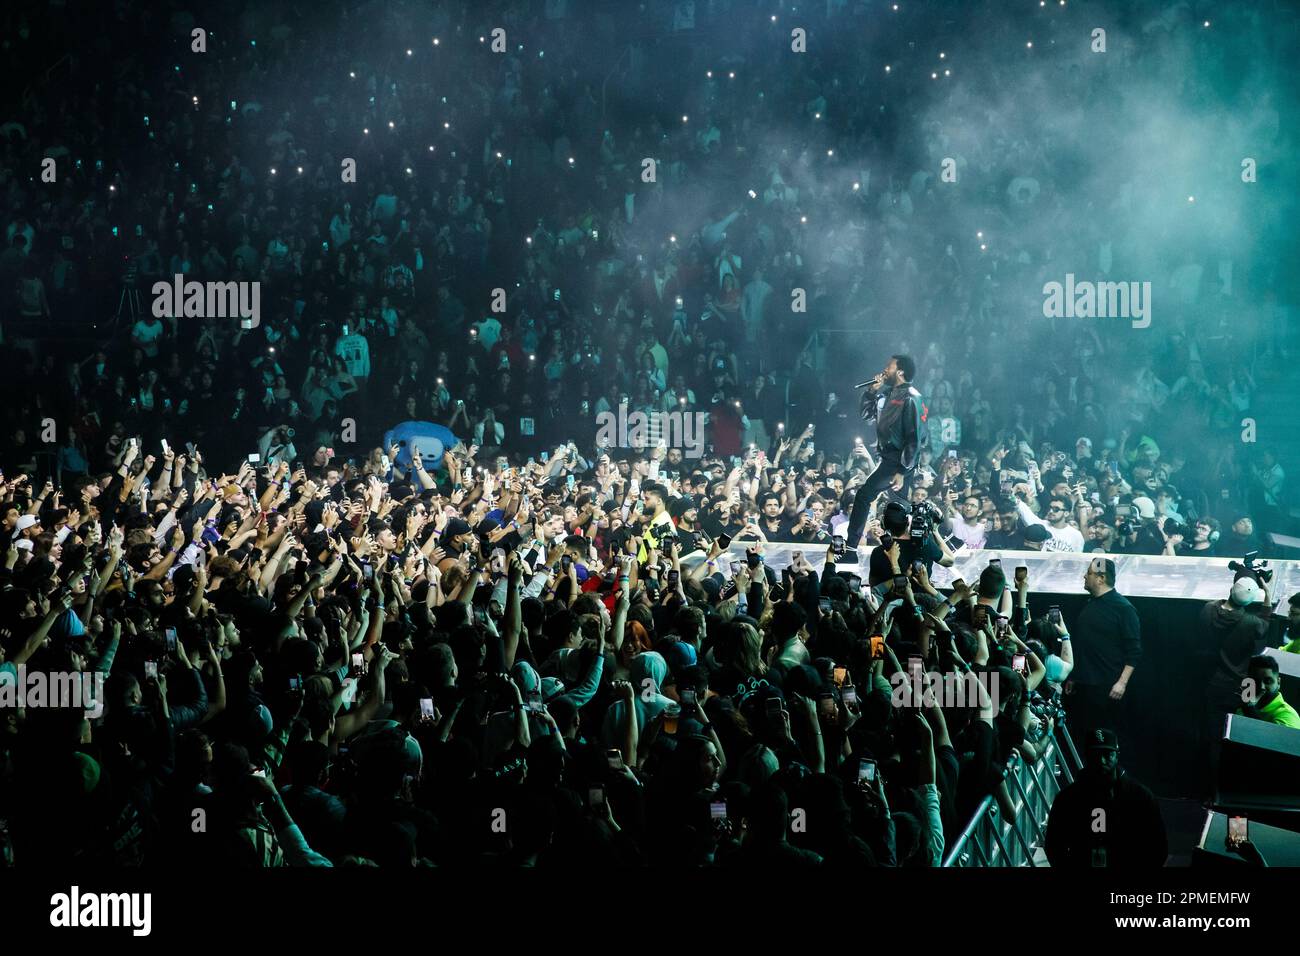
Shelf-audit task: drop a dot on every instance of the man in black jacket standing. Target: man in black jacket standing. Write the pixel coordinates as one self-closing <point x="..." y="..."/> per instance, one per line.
<point x="896" y="408"/>
<point x="1105" y="819"/>
<point x="1107" y="648"/>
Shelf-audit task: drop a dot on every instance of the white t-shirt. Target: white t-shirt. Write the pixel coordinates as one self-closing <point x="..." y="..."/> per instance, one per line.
<point x="1068" y="538"/>
<point x="489" y="330"/>
<point x="355" y="352"/>
<point x="972" y="535"/>
<point x="146" y="335"/>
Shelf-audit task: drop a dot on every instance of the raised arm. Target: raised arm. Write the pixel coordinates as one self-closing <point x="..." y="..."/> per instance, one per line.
<point x="513" y="617"/>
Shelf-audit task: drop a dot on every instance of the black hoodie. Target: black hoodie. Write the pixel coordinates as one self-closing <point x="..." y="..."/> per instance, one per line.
<point x="1232" y="637"/>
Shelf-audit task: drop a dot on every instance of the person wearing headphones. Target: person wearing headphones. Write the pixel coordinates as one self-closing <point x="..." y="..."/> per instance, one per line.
<point x="1205" y="537"/>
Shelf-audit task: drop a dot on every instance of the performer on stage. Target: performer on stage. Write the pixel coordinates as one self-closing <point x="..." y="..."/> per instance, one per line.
<point x="896" y="407"/>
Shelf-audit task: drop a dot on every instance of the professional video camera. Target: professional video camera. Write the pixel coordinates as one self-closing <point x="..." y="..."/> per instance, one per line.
<point x="1247" y="567"/>
<point x="924" y="517"/>
<point x="1127" y="521"/>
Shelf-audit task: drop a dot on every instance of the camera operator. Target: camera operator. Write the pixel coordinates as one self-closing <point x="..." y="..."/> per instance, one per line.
<point x="1139" y="530"/>
<point x="1201" y="542"/>
<point x="1174" y="534"/>
<point x="1148" y="539"/>
<point x="919" y="541"/>
<point x="1235" y="631"/>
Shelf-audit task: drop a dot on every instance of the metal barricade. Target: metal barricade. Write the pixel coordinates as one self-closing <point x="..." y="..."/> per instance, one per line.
<point x="988" y="839"/>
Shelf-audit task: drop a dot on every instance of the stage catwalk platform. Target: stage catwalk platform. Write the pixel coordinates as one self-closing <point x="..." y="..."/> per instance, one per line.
<point x="1137" y="575"/>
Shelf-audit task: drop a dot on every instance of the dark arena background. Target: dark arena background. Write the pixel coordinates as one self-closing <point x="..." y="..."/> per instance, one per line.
<point x="724" y="433"/>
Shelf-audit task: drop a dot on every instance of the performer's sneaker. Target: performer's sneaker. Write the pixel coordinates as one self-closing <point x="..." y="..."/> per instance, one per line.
<point x="848" y="556"/>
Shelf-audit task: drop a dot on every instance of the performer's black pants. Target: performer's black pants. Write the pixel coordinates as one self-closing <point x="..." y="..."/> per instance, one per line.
<point x="878" y="481"/>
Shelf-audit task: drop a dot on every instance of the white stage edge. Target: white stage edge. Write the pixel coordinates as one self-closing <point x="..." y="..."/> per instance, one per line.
<point x="1054" y="572"/>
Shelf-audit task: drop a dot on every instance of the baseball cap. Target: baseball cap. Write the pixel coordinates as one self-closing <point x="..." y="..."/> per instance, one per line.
<point x="1037" y="533"/>
<point x="1245" y="592"/>
<point x="1146" y="508"/>
<point x="552" y="687"/>
<point x="1103" y="739"/>
<point x="679" y="506"/>
<point x="455" y="527"/>
<point x="894" y="519"/>
<point x="25" y="522"/>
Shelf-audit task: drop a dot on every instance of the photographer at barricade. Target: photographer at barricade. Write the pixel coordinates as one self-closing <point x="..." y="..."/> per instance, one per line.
<point x="899" y="417"/>
<point x="1133" y="834"/>
<point x="1107" y="649"/>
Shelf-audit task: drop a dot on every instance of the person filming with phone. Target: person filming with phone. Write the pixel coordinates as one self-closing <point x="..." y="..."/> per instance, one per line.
<point x="891" y="401"/>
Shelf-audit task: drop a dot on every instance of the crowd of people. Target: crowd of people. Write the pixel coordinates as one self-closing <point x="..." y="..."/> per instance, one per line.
<point x="537" y="648"/>
<point x="567" y="661"/>
<point x="330" y="670"/>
